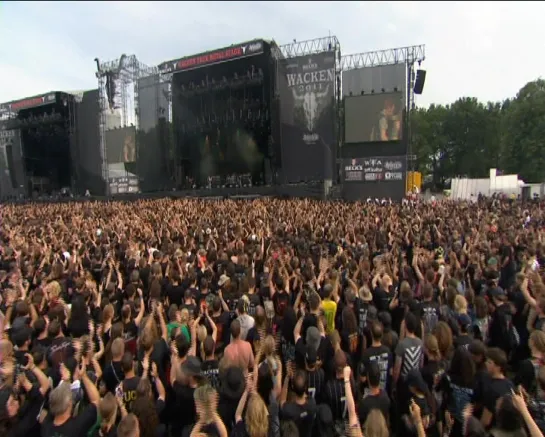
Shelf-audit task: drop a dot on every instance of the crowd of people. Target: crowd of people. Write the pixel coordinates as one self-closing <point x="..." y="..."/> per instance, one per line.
<point x="271" y="318"/>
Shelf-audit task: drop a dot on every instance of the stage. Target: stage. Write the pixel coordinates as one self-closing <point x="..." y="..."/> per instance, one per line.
<point x="312" y="190"/>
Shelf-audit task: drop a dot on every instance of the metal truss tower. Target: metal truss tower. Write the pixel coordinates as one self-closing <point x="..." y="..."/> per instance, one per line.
<point x="118" y="98"/>
<point x="402" y="55"/>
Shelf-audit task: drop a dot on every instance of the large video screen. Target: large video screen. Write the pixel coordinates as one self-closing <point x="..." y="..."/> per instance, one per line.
<point x="372" y="118"/>
<point x="121" y="145"/>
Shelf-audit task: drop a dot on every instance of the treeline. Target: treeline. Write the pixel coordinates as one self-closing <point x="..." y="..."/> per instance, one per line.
<point x="468" y="137"/>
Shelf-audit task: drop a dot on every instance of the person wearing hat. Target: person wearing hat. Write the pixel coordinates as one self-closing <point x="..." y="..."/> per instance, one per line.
<point x="315" y="374"/>
<point x="502" y="333"/>
<point x="419" y="394"/>
<point x="463" y="339"/>
<point x="232" y="383"/>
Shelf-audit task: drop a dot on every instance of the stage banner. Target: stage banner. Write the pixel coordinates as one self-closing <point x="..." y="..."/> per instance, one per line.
<point x="376" y="169"/>
<point x="307" y="104"/>
<point x="123" y="185"/>
<point x="235" y="51"/>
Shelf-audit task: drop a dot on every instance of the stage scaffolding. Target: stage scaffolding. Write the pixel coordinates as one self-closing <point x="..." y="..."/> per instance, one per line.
<point x="134" y="79"/>
<point x="118" y="99"/>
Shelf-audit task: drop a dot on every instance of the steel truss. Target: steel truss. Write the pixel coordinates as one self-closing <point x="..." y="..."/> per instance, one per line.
<point x="124" y="72"/>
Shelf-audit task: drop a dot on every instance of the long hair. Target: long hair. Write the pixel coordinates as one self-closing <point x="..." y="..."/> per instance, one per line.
<point x="257" y="417"/>
<point x="143" y="407"/>
<point x="375" y="425"/>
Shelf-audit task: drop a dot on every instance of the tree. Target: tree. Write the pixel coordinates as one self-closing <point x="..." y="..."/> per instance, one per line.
<point x="524" y="133"/>
<point x="467" y="138"/>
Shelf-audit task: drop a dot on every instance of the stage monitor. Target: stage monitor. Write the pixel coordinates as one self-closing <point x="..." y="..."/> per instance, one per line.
<point x="372" y="118"/>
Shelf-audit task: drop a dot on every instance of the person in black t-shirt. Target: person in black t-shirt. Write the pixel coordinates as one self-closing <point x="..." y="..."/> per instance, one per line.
<point x="210" y="366"/>
<point x="113" y="371"/>
<point x="130" y="381"/>
<point x="302" y="410"/>
<point x="315" y="375"/>
<point x="497" y="386"/>
<point x="379" y="354"/>
<point x="60" y="422"/>
<point x="375" y="397"/>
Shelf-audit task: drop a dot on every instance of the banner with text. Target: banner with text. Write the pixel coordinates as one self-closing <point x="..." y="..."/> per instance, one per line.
<point x="375" y="169"/>
<point x="212" y="57"/>
<point x="307" y="112"/>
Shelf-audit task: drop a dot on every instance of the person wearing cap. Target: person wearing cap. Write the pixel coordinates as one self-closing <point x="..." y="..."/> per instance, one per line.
<point x="502" y="332"/>
<point x="419" y="394"/>
<point x="315" y="374"/>
<point x="463" y="339"/>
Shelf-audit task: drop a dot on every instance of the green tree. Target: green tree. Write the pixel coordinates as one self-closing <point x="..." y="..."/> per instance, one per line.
<point x="524" y="133"/>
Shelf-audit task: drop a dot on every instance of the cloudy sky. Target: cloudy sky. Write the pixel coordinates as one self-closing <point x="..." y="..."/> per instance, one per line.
<point x="487" y="50"/>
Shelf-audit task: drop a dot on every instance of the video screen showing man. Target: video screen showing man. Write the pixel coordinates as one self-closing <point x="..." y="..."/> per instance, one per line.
<point x="129" y="149"/>
<point x="387" y="126"/>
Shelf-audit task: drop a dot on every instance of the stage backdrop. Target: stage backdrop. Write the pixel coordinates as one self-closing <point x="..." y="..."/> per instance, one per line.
<point x="307" y="112"/>
<point x="373" y="118"/>
<point x="153" y="152"/>
<point x="376" y="177"/>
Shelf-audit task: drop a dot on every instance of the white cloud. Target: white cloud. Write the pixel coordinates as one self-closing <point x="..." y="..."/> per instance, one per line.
<point x="488" y="50"/>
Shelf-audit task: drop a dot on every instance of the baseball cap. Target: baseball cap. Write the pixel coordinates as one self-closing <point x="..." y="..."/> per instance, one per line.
<point x="464" y="320"/>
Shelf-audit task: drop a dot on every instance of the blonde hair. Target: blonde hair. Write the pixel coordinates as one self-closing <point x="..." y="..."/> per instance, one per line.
<point x="184" y="316"/>
<point x="257" y="417"/>
<point x="53" y="289"/>
<point x="205" y="400"/>
<point x="460" y="304"/>
<point x="375" y="425"/>
<point x="537" y="340"/>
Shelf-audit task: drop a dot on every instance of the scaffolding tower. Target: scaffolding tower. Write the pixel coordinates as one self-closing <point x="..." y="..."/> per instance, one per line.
<point x="118" y="98"/>
<point x="409" y="56"/>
